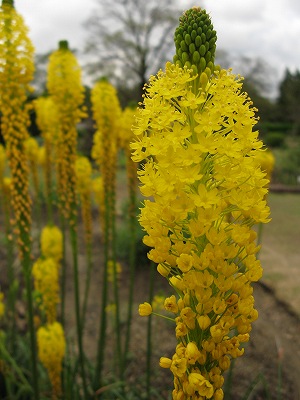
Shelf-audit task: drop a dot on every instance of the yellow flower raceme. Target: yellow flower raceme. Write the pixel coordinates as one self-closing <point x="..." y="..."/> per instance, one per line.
<point x="106" y="113"/>
<point x="67" y="92"/>
<point x="199" y="152"/>
<point x="47" y="119"/>
<point x="52" y="243"/>
<point x="45" y="274"/>
<point x="51" y="352"/>
<point x="16" y="72"/>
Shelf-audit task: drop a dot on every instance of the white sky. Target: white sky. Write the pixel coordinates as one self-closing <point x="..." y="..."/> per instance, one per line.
<point x="269" y="29"/>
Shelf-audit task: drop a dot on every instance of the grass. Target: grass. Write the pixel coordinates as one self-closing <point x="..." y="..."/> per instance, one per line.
<point x="284" y="227"/>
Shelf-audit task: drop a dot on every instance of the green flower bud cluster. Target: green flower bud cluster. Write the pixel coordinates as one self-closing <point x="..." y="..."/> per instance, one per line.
<point x="195" y="42"/>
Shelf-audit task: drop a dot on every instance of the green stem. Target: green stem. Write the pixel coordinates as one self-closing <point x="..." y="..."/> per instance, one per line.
<point x="26" y="263"/>
<point x="73" y="234"/>
<point x="103" y="320"/>
<point x="87" y="281"/>
<point x="116" y="286"/>
<point x="12" y="283"/>
<point x="149" y="333"/>
<point x="5" y="355"/>
<point x="132" y="262"/>
<point x="63" y="272"/>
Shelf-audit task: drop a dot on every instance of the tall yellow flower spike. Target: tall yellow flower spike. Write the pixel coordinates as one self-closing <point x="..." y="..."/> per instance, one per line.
<point x="196" y="140"/>
<point x="67" y="92"/>
<point x="46" y="283"/>
<point x="51" y="352"/>
<point x="106" y="113"/>
<point x="52" y="243"/>
<point x="47" y="119"/>
<point x="16" y="72"/>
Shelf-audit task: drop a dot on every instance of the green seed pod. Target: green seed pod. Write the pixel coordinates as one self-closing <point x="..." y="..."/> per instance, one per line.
<point x="187" y="39"/>
<point x="202" y="64"/>
<point x="207" y="71"/>
<point x="208" y="34"/>
<point x="202" y="50"/>
<point x="198" y="41"/>
<point x="210" y="65"/>
<point x="203" y="80"/>
<point x="196" y="57"/>
<point x="195" y="39"/>
<point x="208" y="56"/>
<point x="188" y="64"/>
<point x="183" y="45"/>
<point x="192" y="48"/>
<point x="212" y="41"/>
<point x="184" y="57"/>
<point x="193" y="35"/>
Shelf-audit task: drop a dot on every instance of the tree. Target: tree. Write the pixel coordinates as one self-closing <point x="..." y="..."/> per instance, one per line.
<point x="289" y="99"/>
<point x="130" y="39"/>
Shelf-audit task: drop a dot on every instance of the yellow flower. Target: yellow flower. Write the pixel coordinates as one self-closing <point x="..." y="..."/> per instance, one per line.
<point x="45" y="274"/>
<point x="107" y="114"/>
<point x="145" y="309"/>
<point x="112" y="269"/>
<point x="52" y="242"/>
<point x="51" y="352"/>
<point x="196" y="140"/>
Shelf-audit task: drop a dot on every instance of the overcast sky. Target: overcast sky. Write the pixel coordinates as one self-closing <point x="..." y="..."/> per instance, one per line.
<point x="269" y="29"/>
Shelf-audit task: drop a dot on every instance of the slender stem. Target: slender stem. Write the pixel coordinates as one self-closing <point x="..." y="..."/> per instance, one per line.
<point x="63" y="273"/>
<point x="87" y="221"/>
<point x="48" y="182"/>
<point x="87" y="281"/>
<point x="26" y="264"/>
<point x="103" y="320"/>
<point x="149" y="333"/>
<point x="115" y="285"/>
<point x="132" y="262"/>
<point x="12" y="284"/>
<point x="73" y="234"/>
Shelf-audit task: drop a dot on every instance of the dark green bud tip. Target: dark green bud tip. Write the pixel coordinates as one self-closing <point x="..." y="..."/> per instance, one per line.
<point x="8" y="2"/>
<point x="63" y="45"/>
<point x="195" y="40"/>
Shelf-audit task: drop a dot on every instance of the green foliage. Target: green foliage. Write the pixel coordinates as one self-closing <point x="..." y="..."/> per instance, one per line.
<point x="274" y="139"/>
<point x="287" y="165"/>
<point x="289" y="99"/>
<point x="123" y="239"/>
